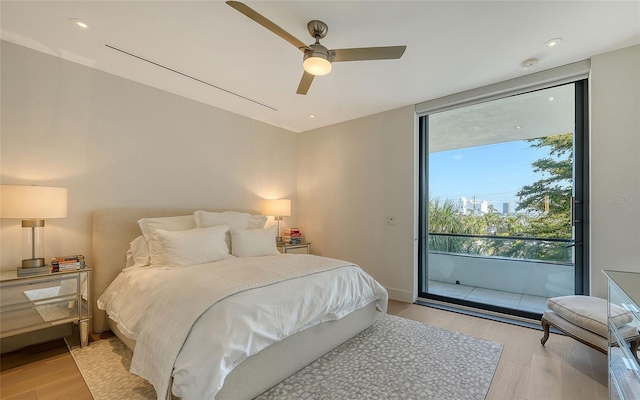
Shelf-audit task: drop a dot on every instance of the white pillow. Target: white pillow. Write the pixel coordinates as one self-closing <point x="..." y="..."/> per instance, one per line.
<point x="138" y="254"/>
<point x="231" y="218"/>
<point x="257" y="222"/>
<point x="194" y="246"/>
<point x="149" y="226"/>
<point x="254" y="242"/>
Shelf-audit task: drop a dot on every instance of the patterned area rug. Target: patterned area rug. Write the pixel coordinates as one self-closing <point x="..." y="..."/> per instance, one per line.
<point x="394" y="359"/>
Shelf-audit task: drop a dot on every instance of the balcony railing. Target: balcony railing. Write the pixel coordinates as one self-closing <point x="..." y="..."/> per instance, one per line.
<point x="548" y="250"/>
<point x="513" y="265"/>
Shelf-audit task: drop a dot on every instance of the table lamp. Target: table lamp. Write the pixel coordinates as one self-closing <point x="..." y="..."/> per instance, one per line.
<point x="278" y="209"/>
<point x="32" y="204"/>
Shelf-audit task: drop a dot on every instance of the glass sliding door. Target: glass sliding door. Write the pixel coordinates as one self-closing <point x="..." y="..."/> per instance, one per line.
<point x="501" y="185"/>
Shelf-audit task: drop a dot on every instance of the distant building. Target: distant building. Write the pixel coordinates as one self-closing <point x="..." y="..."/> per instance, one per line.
<point x="468" y="206"/>
<point x="506" y="208"/>
<point x="484" y="207"/>
<point x="463" y="204"/>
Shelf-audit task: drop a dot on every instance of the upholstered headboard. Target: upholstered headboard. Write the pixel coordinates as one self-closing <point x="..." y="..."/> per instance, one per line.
<point x="113" y="230"/>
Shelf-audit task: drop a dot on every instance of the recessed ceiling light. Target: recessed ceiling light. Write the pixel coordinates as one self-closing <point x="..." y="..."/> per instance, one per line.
<point x="518" y="127"/>
<point x="551" y="98"/>
<point x="312" y="115"/>
<point x="553" y="42"/>
<point x="79" y="23"/>
<point x="530" y="63"/>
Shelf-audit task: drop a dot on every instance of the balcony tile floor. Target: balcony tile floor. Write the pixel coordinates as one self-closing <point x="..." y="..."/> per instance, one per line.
<point x="537" y="304"/>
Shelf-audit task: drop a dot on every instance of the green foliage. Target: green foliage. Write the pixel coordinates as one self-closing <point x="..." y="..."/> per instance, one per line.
<point x="548" y="199"/>
<point x="444" y="217"/>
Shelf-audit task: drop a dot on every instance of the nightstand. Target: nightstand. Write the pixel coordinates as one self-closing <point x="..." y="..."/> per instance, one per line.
<point x="30" y="303"/>
<point x="623" y="360"/>
<point x="300" y="248"/>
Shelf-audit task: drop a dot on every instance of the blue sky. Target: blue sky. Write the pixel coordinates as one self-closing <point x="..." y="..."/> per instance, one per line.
<point x="493" y="172"/>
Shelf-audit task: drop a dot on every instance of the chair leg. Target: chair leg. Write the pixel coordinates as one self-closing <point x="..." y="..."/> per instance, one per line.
<point x="545" y="328"/>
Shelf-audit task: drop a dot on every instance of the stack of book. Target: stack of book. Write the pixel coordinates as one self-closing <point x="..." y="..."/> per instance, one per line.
<point x="292" y="236"/>
<point x="68" y="263"/>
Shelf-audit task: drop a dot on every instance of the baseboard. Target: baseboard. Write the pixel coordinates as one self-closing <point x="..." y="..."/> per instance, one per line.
<point x="494" y="316"/>
<point x="400" y="295"/>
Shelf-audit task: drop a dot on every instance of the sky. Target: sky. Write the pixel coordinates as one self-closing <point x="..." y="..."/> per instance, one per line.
<point x="493" y="172"/>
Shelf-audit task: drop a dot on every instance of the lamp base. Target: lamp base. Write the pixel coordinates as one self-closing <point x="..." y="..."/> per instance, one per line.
<point x="279" y="241"/>
<point x="34" y="271"/>
<point x="33" y="263"/>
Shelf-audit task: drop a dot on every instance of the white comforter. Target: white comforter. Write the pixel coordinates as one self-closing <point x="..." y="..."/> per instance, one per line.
<point x="201" y="343"/>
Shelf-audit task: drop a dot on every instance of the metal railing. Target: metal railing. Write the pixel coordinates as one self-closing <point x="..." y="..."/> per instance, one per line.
<point x="552" y="250"/>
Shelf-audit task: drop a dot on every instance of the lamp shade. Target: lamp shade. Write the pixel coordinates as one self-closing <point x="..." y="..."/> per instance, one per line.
<point x="32" y="202"/>
<point x="277" y="208"/>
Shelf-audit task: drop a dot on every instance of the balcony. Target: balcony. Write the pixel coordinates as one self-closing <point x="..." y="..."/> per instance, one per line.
<point x="520" y="273"/>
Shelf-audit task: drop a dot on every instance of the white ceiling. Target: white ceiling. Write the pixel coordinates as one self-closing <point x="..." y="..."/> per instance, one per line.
<point x="452" y="46"/>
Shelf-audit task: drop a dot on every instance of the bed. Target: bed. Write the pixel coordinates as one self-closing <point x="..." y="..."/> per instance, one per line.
<point x="261" y="365"/>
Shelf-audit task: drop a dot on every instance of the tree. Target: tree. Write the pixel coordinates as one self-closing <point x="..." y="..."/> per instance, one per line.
<point x="444" y="217"/>
<point x="547" y="200"/>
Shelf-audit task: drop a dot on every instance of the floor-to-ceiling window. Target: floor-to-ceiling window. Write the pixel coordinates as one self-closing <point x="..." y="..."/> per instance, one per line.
<point x="502" y="196"/>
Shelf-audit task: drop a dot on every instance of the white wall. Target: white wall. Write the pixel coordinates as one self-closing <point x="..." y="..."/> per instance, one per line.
<point x="353" y="175"/>
<point x="116" y="143"/>
<point x="615" y="164"/>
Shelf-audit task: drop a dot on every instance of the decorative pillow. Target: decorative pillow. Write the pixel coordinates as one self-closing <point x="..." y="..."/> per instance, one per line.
<point x="138" y="254"/>
<point x="230" y="218"/>
<point x="150" y="225"/>
<point x="254" y="242"/>
<point x="194" y="246"/>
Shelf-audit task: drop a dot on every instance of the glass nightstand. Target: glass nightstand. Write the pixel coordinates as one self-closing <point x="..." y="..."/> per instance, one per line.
<point x="30" y="303"/>
<point x="623" y="365"/>
<point x="300" y="248"/>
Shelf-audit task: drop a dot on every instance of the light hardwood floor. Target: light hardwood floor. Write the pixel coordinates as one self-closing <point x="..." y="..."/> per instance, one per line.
<point x="562" y="370"/>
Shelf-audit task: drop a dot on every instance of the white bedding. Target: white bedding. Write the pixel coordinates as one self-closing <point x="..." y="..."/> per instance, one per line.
<point x="202" y="344"/>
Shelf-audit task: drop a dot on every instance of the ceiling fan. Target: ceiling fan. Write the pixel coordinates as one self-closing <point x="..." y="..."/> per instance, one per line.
<point x="317" y="59"/>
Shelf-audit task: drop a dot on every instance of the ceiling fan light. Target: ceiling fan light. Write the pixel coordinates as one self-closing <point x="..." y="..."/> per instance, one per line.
<point x="316" y="65"/>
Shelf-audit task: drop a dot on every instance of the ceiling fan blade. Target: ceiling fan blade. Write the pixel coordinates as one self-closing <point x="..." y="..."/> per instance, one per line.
<point x="368" y="53"/>
<point x="305" y="83"/>
<point x="254" y="15"/>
